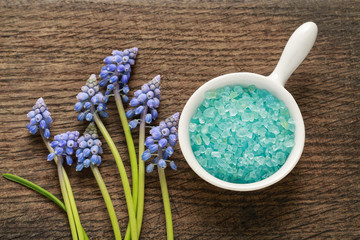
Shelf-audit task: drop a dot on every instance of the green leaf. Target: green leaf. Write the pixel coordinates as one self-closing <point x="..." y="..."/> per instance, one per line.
<point x="34" y="187"/>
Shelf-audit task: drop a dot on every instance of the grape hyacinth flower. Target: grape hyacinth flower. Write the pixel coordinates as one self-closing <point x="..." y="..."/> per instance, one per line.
<point x="90" y="101"/>
<point x="89" y="155"/>
<point x="89" y="148"/>
<point x="40" y="118"/>
<point x="64" y="145"/>
<point x="162" y="140"/>
<point x="116" y="73"/>
<point x="146" y="100"/>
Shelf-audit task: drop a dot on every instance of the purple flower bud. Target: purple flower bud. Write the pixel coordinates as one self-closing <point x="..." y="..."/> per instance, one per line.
<point x="103" y="74"/>
<point x="148" y="118"/>
<point x="101" y="107"/>
<point x="103" y="82"/>
<point x="109" y="59"/>
<point x="150" y="168"/>
<point x="173" y="165"/>
<point x="69" y="160"/>
<point x="78" y="106"/>
<point x="87" y="105"/>
<point x="47" y="133"/>
<point x="162" y="163"/>
<point x="103" y="114"/>
<point x="33" y="129"/>
<point x="111" y="67"/>
<point x="153" y="148"/>
<point x="94" y="100"/>
<point x="156" y="134"/>
<point x="117" y="52"/>
<point x="124" y="79"/>
<point x="154" y="114"/>
<point x="172" y="139"/>
<point x="133" y="124"/>
<point x="150" y="103"/>
<point x="86" y="152"/>
<point x="121" y="68"/>
<point x="139" y="110"/>
<point x="79" y="167"/>
<point x="86" y="163"/>
<point x="82" y="96"/>
<point x="150" y="94"/>
<point x="134" y="102"/>
<point x="130" y="113"/>
<point x="81" y="117"/>
<point x="113" y="79"/>
<point x="149" y="141"/>
<point x="51" y="156"/>
<point x="142" y="97"/>
<point x="156" y="102"/>
<point x="137" y="93"/>
<point x="145" y="88"/>
<point x="38" y="117"/>
<point x="69" y="151"/>
<point x="31" y="114"/>
<point x="125" y="98"/>
<point x="94" y="149"/>
<point x="94" y="159"/>
<point x="173" y="130"/>
<point x="59" y="150"/>
<point x="162" y="142"/>
<point x="168" y="152"/>
<point x="146" y="155"/>
<point x="42" y="124"/>
<point x="89" y="117"/>
<point x="126" y="89"/>
<point x="165" y="132"/>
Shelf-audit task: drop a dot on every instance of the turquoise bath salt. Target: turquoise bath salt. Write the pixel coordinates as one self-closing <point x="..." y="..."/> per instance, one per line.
<point x="241" y="134"/>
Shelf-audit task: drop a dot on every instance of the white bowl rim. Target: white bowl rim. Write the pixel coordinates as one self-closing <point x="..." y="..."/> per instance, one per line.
<point x="243" y="79"/>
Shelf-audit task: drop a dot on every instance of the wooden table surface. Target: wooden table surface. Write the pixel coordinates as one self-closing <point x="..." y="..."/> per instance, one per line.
<point x="48" y="49"/>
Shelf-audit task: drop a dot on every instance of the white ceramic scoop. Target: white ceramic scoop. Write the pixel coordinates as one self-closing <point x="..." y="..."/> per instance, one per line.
<point x="296" y="49"/>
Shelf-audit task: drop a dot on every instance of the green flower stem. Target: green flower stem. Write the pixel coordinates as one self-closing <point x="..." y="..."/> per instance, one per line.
<point x="141" y="196"/>
<point x="34" y="187"/>
<point x="130" y="144"/>
<point x="66" y="199"/>
<point x="40" y="190"/>
<point x="68" y="190"/>
<point x="166" y="201"/>
<point x="123" y="175"/>
<point x="107" y="199"/>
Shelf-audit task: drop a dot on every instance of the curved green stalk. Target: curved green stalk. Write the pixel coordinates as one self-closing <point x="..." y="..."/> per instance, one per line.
<point x="34" y="187"/>
<point x="123" y="175"/>
<point x="129" y="142"/>
<point x="66" y="199"/>
<point x="141" y="195"/>
<point x="166" y="201"/>
<point x="40" y="190"/>
<point x="68" y="190"/>
<point x="107" y="199"/>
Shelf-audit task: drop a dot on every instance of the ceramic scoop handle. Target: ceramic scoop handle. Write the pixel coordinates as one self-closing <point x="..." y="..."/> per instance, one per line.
<point x="295" y="51"/>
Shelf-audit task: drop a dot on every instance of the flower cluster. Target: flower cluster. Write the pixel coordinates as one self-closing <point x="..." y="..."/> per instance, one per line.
<point x="145" y="99"/>
<point x="39" y="117"/>
<point x="117" y="70"/>
<point x="64" y="145"/>
<point x="163" y="138"/>
<point x="90" y="100"/>
<point x="90" y="149"/>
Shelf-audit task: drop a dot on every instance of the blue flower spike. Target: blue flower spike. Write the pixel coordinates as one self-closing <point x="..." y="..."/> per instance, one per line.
<point x="146" y="100"/>
<point x="90" y="100"/>
<point x="117" y="71"/>
<point x="89" y="148"/>
<point x="162" y="140"/>
<point x="40" y="119"/>
<point x="65" y="145"/>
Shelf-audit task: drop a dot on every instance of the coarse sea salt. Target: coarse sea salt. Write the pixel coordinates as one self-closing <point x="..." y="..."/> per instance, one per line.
<point x="241" y="134"/>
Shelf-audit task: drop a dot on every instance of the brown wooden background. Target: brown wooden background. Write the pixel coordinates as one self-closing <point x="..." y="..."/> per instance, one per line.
<point x="49" y="48"/>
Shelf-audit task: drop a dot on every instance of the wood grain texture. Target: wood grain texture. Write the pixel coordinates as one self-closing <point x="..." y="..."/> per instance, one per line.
<point x="49" y="48"/>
